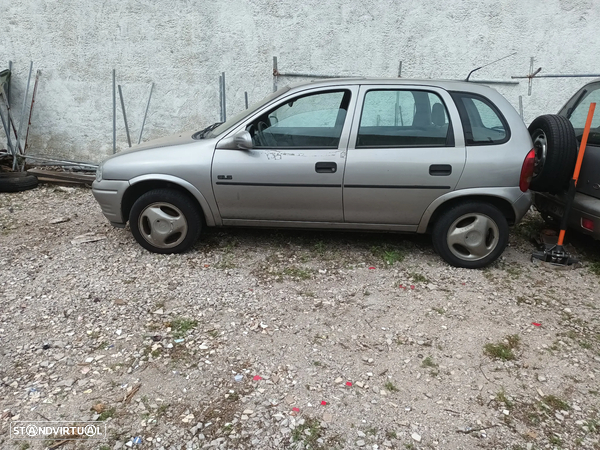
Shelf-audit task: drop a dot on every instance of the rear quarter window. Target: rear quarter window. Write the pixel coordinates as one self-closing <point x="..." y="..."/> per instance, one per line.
<point x="482" y="121"/>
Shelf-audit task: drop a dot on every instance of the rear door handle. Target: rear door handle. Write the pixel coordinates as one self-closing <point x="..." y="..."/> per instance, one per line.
<point x="326" y="167"/>
<point x="440" y="170"/>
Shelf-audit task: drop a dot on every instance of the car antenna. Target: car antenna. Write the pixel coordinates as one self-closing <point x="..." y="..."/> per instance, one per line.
<point x="488" y="64"/>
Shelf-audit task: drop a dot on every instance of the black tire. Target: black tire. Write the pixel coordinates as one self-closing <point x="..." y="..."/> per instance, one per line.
<point x="17" y="181"/>
<point x="555" y="146"/>
<point x="165" y="221"/>
<point x="461" y="244"/>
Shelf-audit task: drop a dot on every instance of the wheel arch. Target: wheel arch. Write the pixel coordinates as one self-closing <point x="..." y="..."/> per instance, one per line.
<point x="434" y="211"/>
<point x="141" y="185"/>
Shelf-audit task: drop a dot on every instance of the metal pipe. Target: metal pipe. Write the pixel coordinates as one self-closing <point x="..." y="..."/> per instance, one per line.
<point x="510" y="83"/>
<point x="246" y="98"/>
<point x="146" y="113"/>
<point x="24" y="101"/>
<point x="114" y="95"/>
<point x="221" y="99"/>
<point x="567" y="75"/>
<point x="275" y="73"/>
<point x="124" y="115"/>
<point x="35" y="86"/>
<point x="11" y="121"/>
<point x="10" y="66"/>
<point x="224" y="99"/>
<point x="11" y="149"/>
<point x="305" y="75"/>
<point x="521" y="106"/>
<point x="61" y="161"/>
<point x="400" y="70"/>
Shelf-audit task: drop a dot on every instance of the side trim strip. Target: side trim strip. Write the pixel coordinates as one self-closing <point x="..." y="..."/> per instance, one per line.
<point x="233" y="183"/>
<point x="382" y="186"/>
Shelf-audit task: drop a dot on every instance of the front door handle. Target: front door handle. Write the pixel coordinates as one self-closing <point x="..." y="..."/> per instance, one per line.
<point x="326" y="167"/>
<point x="440" y="170"/>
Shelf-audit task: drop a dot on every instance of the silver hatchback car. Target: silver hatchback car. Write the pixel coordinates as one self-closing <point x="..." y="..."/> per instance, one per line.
<point x="449" y="158"/>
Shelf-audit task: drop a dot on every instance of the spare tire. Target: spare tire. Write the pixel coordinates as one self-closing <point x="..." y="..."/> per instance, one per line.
<point x="555" y="146"/>
<point x="17" y="181"/>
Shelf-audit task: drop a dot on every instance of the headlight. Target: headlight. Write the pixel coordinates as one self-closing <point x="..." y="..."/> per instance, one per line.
<point x="99" y="172"/>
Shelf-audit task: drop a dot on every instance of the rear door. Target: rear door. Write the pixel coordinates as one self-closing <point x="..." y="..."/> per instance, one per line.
<point x="406" y="149"/>
<point x="576" y="111"/>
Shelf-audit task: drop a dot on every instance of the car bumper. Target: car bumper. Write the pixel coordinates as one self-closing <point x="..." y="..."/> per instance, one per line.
<point x="109" y="194"/>
<point x="584" y="207"/>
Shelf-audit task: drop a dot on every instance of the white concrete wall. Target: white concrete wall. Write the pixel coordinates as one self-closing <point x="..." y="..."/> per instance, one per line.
<point x="183" y="46"/>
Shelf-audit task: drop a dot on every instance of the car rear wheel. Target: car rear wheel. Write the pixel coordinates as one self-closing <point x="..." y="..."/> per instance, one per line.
<point x="471" y="235"/>
<point x="165" y="221"/>
<point x="555" y="146"/>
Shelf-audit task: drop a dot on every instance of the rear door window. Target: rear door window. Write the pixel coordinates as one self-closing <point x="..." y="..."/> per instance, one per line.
<point x="483" y="124"/>
<point x="404" y="118"/>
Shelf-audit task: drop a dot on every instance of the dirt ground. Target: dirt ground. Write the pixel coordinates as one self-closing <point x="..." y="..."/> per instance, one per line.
<point x="270" y="339"/>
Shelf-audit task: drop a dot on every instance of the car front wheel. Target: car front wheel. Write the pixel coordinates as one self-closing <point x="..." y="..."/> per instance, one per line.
<point x="471" y="235"/>
<point x="165" y="221"/>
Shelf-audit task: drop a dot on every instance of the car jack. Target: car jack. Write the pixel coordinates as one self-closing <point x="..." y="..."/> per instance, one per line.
<point x="556" y="254"/>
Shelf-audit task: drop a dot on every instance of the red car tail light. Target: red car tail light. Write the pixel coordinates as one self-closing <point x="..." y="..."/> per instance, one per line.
<point x="587" y="224"/>
<point x="527" y="171"/>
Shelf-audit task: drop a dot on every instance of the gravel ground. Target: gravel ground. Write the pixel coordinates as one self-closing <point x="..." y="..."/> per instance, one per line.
<point x="269" y="339"/>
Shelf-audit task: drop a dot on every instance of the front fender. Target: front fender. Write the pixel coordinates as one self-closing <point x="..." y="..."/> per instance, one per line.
<point x="211" y="221"/>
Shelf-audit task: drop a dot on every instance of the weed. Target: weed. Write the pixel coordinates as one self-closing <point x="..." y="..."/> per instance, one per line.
<point x="502" y="398"/>
<point x="503" y="350"/>
<point x="233" y="397"/>
<point x="391" y="434"/>
<point x="428" y="363"/>
<point x="372" y="431"/>
<point x="319" y="248"/>
<point x="317" y="363"/>
<point x="391" y="387"/>
<point x="308" y="433"/>
<point x="107" y="414"/>
<point x="25" y="446"/>
<point x="555" y="440"/>
<point x="388" y="255"/>
<point x="180" y="327"/>
<point x="556" y="403"/>
<point x="297" y="272"/>
<point x="595" y="268"/>
<point x="439" y="310"/>
<point x="418" y="278"/>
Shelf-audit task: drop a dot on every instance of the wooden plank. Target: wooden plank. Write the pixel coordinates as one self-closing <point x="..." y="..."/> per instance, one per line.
<point x="62" y="176"/>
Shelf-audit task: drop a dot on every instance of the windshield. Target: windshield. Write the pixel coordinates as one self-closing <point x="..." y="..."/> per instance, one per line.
<point x="238" y="117"/>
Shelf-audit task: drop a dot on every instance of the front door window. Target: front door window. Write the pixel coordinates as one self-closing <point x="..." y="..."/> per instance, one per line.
<point x="310" y="121"/>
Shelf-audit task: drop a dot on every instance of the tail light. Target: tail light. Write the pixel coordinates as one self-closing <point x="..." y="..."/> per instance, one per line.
<point x="587" y="224"/>
<point x="527" y="171"/>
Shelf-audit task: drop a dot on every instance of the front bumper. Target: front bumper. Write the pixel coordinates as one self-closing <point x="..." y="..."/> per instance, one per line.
<point x="109" y="194"/>
<point x="584" y="207"/>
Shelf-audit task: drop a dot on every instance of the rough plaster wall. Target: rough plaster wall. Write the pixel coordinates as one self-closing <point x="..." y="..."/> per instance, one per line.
<point x="183" y="46"/>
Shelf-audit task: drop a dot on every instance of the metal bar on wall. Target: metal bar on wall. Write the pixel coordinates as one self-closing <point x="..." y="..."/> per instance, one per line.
<point x="146" y="113"/>
<point x="114" y="98"/>
<point x="224" y="98"/>
<point x="124" y="115"/>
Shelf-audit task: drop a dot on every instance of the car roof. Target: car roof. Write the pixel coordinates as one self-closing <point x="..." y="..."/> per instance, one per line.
<point x="450" y="85"/>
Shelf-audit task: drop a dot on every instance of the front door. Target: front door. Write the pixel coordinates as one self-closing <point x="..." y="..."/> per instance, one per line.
<point x="405" y="150"/>
<point x="294" y="170"/>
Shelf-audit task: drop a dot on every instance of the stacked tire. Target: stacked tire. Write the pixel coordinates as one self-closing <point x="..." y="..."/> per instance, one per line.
<point x="555" y="146"/>
<point x="17" y="181"/>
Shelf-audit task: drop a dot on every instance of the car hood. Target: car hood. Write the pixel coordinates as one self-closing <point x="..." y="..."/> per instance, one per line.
<point x="167" y="141"/>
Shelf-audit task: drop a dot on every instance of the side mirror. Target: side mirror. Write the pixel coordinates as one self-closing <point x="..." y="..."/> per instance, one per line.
<point x="243" y="140"/>
<point x="239" y="141"/>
